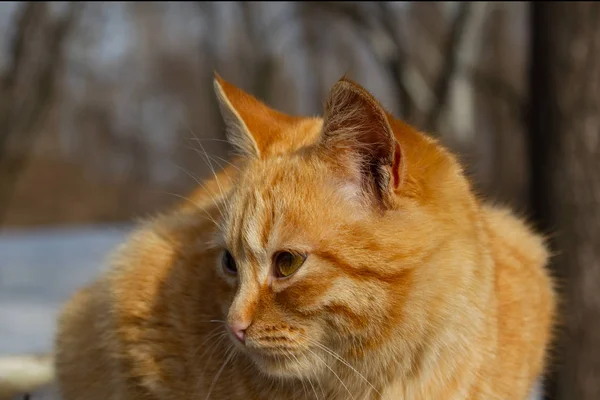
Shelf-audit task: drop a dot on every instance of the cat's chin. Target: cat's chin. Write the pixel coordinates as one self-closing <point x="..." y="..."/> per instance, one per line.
<point x="282" y="366"/>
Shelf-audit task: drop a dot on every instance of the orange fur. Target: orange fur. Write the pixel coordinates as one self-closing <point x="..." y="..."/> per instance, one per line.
<point x="412" y="288"/>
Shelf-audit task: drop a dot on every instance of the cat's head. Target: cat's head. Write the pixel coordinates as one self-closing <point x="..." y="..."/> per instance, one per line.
<point x="328" y="228"/>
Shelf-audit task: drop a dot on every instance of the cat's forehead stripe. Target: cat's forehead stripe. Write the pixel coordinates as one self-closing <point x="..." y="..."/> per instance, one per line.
<point x="247" y="221"/>
<point x="252" y="224"/>
<point x="237" y="226"/>
<point x="266" y="227"/>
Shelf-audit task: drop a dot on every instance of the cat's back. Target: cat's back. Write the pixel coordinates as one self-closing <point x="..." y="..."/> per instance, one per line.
<point x="83" y="364"/>
<point x="526" y="300"/>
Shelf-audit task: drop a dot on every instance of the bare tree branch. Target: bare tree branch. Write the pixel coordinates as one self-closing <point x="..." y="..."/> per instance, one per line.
<point x="28" y="87"/>
<point x="367" y="23"/>
<point x="397" y="64"/>
<point x="498" y="87"/>
<point x="264" y="62"/>
<point x="442" y="85"/>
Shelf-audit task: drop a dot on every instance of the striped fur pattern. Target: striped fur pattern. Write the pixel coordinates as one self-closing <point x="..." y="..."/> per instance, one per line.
<point x="412" y="288"/>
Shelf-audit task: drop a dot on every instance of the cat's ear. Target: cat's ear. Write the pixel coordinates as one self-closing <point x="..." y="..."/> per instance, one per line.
<point x="252" y="126"/>
<point x="356" y="126"/>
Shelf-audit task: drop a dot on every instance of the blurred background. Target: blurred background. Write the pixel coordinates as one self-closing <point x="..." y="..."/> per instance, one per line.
<point x="103" y="106"/>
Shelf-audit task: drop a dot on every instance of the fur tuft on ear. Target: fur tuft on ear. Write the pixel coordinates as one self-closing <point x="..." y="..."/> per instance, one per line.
<point x="253" y="128"/>
<point x="238" y="133"/>
<point x="356" y="125"/>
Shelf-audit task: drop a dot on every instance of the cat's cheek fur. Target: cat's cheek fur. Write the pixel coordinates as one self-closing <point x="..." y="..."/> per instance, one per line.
<point x="353" y="307"/>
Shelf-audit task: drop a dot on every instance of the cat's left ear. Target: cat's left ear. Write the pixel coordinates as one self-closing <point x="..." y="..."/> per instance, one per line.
<point x="356" y="126"/>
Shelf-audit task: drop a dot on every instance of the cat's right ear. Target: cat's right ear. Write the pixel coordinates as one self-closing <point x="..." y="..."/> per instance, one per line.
<point x="252" y="126"/>
<point x="234" y="103"/>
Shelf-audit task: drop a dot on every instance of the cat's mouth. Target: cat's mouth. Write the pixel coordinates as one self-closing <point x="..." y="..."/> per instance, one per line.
<point x="278" y="354"/>
<point x="273" y="353"/>
<point x="282" y="359"/>
<point x="283" y="363"/>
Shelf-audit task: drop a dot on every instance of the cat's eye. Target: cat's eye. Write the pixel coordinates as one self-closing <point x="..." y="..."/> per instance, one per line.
<point x="228" y="263"/>
<point x="286" y="263"/>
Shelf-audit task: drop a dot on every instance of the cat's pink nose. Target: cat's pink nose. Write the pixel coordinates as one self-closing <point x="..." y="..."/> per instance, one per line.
<point x="239" y="330"/>
<point x="241" y="335"/>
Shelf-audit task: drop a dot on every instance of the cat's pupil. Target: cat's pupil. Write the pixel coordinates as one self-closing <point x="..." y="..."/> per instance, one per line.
<point x="229" y="262"/>
<point x="284" y="261"/>
<point x="287" y="263"/>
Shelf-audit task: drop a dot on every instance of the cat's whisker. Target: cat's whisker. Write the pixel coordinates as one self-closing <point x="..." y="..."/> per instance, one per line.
<point x="214" y="347"/>
<point x="302" y="380"/>
<point x="204" y="155"/>
<point x="304" y="388"/>
<point x="208" y="139"/>
<point x="197" y="207"/>
<point x="209" y="337"/>
<point x="212" y="169"/>
<point x="211" y="193"/>
<point x="202" y="185"/>
<point x="340" y="359"/>
<point x="281" y="383"/>
<point x="334" y="373"/>
<point x="212" y="321"/>
<point x="224" y="170"/>
<point x="313" y="388"/>
<point x="230" y="353"/>
<point x="322" y="389"/>
<point x="287" y="357"/>
<point x="228" y="162"/>
<point x="215" y="158"/>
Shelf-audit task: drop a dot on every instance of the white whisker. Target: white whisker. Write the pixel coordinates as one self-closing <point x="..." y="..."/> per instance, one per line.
<point x="211" y="336"/>
<point x="301" y="380"/>
<point x="225" y="204"/>
<point x="201" y="184"/>
<point x="196" y="206"/>
<point x="228" y="162"/>
<point x="215" y="158"/>
<point x="212" y="169"/>
<point x="342" y="360"/>
<point x="214" y="347"/>
<point x="208" y="139"/>
<point x="214" y="381"/>
<point x="305" y="390"/>
<point x="333" y="372"/>
<point x="313" y="389"/>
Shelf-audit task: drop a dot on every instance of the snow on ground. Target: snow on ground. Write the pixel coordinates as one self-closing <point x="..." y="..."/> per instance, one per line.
<point x="39" y="270"/>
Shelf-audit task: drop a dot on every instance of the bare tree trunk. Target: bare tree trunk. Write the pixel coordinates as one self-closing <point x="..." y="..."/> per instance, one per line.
<point x="28" y="87"/>
<point x="502" y="138"/>
<point x="450" y="55"/>
<point x="565" y="150"/>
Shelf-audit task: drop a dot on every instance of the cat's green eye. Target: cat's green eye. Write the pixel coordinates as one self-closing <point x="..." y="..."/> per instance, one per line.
<point x="286" y="263"/>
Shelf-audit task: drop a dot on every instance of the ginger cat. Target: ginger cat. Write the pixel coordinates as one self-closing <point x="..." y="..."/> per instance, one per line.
<point x="338" y="258"/>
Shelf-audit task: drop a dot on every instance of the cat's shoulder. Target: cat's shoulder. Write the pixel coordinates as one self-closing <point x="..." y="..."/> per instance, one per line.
<point x="511" y="234"/>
